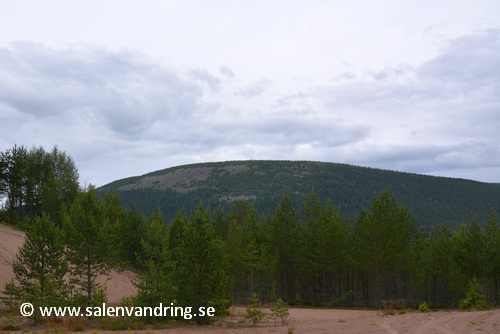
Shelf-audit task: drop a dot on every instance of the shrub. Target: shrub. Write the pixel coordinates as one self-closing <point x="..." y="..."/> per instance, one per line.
<point x="474" y="298"/>
<point x="253" y="312"/>
<point x="280" y="310"/>
<point x="423" y="307"/>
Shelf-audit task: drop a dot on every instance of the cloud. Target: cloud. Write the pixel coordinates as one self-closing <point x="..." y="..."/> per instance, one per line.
<point x="439" y="116"/>
<point x="226" y="72"/>
<point x="122" y="90"/>
<point x="254" y="89"/>
<point x="465" y="59"/>
<point x="205" y="77"/>
<point x="121" y="113"/>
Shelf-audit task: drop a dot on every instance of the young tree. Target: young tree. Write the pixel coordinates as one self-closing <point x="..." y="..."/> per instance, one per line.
<point x="445" y="282"/>
<point x="286" y="230"/>
<point x="251" y="264"/>
<point x="40" y="266"/>
<point x="470" y="250"/>
<point x="254" y="312"/>
<point x="383" y="236"/>
<point x="41" y="258"/>
<point x="201" y="267"/>
<point x="156" y="282"/>
<point x="131" y="231"/>
<point x="280" y="310"/>
<point x="324" y="251"/>
<point x="492" y="258"/>
<point x="89" y="250"/>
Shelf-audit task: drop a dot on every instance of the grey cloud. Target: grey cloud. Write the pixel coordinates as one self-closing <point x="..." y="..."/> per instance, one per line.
<point x="390" y="73"/>
<point x="205" y="77"/>
<point x="121" y="89"/>
<point x="294" y="99"/>
<point x="290" y="130"/>
<point x="442" y="115"/>
<point x="254" y="89"/>
<point x="122" y="105"/>
<point x="467" y="58"/>
<point x="227" y="73"/>
<point x="431" y="158"/>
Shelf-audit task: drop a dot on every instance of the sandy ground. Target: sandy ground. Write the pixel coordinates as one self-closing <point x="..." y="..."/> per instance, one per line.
<point x="369" y="322"/>
<point x="313" y="321"/>
<point x="118" y="284"/>
<point x="10" y="241"/>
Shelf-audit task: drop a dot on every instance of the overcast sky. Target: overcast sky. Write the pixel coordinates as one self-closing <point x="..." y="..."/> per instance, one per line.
<point x="129" y="87"/>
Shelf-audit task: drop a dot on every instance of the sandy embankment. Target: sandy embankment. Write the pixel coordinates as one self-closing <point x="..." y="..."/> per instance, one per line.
<point x="118" y="286"/>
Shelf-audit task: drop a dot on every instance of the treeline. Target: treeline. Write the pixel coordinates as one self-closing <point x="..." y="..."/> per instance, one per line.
<point x="34" y="180"/>
<point x="201" y="259"/>
<point x="321" y="258"/>
<point x="431" y="200"/>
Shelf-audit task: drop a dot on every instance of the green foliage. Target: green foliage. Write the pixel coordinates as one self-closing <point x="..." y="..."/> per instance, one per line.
<point x="252" y="261"/>
<point x="383" y="238"/>
<point x="423" y="307"/>
<point x="285" y="233"/>
<point x="280" y="310"/>
<point x="336" y="245"/>
<point x="475" y="299"/>
<point x="40" y="267"/>
<point x="253" y="312"/>
<point x="13" y="294"/>
<point x="433" y="200"/>
<point x="32" y="181"/>
<point x="41" y="258"/>
<point x="201" y="268"/>
<point x="155" y="286"/>
<point x="89" y="242"/>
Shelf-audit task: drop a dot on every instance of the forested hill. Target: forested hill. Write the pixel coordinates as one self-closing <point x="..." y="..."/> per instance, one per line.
<point x="431" y="200"/>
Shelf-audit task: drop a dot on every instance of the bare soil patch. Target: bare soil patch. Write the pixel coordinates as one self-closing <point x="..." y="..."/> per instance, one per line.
<point x="179" y="180"/>
<point x="118" y="284"/>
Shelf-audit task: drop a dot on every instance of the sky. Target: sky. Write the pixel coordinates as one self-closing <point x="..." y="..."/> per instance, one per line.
<point x="129" y="87"/>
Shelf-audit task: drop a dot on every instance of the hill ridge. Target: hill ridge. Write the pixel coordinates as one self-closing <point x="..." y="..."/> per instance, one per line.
<point x="432" y="199"/>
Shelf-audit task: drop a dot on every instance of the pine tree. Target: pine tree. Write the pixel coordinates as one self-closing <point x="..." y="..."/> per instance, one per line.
<point x="40" y="266"/>
<point x="470" y="250"/>
<point x="41" y="258"/>
<point x="156" y="281"/>
<point x="280" y="310"/>
<point x="89" y="250"/>
<point x="132" y="229"/>
<point x="383" y="236"/>
<point x="285" y="234"/>
<point x="492" y="258"/>
<point x="201" y="267"/>
<point x="254" y="312"/>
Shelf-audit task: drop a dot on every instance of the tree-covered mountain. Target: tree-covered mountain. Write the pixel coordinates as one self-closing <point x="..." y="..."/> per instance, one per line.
<point x="431" y="200"/>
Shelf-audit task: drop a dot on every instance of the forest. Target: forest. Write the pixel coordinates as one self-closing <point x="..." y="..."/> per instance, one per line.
<point x="314" y="256"/>
<point x="431" y="200"/>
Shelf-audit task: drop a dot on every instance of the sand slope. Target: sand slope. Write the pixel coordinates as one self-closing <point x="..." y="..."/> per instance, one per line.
<point x="119" y="284"/>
